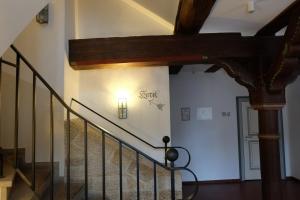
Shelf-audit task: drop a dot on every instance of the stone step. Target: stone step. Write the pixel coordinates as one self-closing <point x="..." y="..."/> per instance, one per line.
<point x="112" y="167"/>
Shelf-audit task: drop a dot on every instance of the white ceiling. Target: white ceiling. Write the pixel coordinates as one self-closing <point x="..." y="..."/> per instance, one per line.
<point x="227" y="15"/>
<point x="166" y="9"/>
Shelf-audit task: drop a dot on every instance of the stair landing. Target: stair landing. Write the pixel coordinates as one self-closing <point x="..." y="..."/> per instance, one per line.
<point x="6" y="182"/>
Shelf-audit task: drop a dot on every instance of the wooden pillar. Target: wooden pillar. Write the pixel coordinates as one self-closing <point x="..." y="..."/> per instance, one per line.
<point x="269" y="154"/>
<point x="268" y="104"/>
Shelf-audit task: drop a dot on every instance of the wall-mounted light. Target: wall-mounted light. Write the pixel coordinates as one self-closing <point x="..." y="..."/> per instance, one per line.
<point x="122" y="108"/>
<point x="43" y="16"/>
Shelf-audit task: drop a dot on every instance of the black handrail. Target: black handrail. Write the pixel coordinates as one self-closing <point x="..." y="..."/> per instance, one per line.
<point x="36" y="75"/>
<point x="111" y="122"/>
<point x="132" y="134"/>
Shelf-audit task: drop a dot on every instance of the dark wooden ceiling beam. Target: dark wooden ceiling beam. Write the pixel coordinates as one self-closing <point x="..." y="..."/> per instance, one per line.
<point x="286" y="66"/>
<point x="280" y="21"/>
<point x="167" y="50"/>
<point x="213" y="69"/>
<point x="192" y="15"/>
<point x="175" y="69"/>
<point x="190" y="18"/>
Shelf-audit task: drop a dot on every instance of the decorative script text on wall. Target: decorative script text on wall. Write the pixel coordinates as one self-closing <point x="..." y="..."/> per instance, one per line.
<point x="152" y="98"/>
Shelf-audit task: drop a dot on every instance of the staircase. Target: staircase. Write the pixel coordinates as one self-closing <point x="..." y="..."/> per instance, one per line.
<point x="95" y="176"/>
<point x="98" y="165"/>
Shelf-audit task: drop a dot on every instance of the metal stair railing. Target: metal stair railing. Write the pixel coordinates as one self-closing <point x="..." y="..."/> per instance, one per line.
<point x="165" y="139"/>
<point x="171" y="153"/>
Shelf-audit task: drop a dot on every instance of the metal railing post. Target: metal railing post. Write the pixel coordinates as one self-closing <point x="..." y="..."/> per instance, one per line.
<point x="1" y="155"/>
<point x="52" y="146"/>
<point x="172" y="156"/>
<point x="1" y="163"/>
<point x="121" y="169"/>
<point x="137" y="175"/>
<point x="17" y="110"/>
<point x="166" y="140"/>
<point x="68" y="159"/>
<point x="103" y="166"/>
<point x="86" y="182"/>
<point x="33" y="131"/>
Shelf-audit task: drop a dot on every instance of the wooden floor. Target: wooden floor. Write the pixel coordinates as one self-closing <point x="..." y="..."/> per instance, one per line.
<point x="250" y="190"/>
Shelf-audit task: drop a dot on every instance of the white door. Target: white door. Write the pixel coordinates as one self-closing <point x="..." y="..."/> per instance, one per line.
<point x="250" y="141"/>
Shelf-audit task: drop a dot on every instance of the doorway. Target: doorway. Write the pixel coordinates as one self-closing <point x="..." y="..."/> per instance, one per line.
<point x="248" y="130"/>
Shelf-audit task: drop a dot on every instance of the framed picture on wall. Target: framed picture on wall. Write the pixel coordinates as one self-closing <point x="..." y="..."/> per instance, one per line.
<point x="185" y="114"/>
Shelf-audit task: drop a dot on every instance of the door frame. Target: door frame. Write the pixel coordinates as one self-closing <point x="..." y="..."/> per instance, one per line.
<point x="239" y="101"/>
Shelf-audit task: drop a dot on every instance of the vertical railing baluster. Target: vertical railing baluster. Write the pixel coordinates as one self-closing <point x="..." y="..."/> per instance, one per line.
<point x="172" y="181"/>
<point x="33" y="143"/>
<point x="86" y="159"/>
<point x="154" y="181"/>
<point x="1" y="155"/>
<point x="17" y="110"/>
<point x="103" y="166"/>
<point x="0" y="84"/>
<point x="51" y="146"/>
<point x="1" y="163"/>
<point x="137" y="175"/>
<point x="68" y="156"/>
<point x="121" y="169"/>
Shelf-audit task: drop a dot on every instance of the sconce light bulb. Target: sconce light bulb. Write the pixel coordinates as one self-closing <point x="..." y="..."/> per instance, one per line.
<point x="251" y="6"/>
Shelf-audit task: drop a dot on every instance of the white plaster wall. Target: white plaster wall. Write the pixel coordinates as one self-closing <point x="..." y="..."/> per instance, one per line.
<point x="71" y="77"/>
<point x="213" y="143"/>
<point x="99" y="88"/>
<point x="293" y="99"/>
<point x="15" y="15"/>
<point x="43" y="45"/>
<point x="44" y="48"/>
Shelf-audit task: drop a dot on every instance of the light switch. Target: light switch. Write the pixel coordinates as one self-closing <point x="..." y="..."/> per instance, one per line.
<point x="204" y="113"/>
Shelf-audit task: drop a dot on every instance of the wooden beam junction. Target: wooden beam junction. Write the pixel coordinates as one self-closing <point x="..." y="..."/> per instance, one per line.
<point x="190" y="18"/>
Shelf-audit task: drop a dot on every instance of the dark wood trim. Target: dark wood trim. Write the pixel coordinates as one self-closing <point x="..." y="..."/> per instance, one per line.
<point x="292" y="178"/>
<point x="225" y="181"/>
<point x="12" y="151"/>
<point x="230" y="181"/>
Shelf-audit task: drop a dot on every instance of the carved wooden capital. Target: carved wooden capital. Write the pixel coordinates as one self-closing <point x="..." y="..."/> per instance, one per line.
<point x="251" y="75"/>
<point x="267" y="77"/>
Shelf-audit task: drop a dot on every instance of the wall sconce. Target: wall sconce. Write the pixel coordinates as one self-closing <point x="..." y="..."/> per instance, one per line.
<point x="43" y="16"/>
<point x="122" y="108"/>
